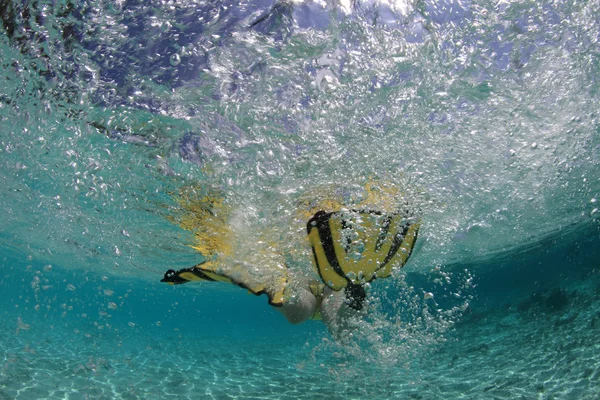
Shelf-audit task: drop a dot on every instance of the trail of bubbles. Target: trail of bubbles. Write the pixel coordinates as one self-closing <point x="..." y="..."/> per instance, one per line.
<point x="408" y="318"/>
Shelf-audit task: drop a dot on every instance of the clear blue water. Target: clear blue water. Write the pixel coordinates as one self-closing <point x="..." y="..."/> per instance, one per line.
<point x="484" y="113"/>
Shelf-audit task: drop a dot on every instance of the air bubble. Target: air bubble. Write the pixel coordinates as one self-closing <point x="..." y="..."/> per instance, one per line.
<point x="22" y="325"/>
<point x="116" y="7"/>
<point x="175" y="60"/>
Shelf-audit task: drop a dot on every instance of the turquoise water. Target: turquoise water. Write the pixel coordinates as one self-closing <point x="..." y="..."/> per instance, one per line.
<point x="485" y="113"/>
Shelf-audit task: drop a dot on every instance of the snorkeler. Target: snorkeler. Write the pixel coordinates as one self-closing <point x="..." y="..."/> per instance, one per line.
<point x="351" y="245"/>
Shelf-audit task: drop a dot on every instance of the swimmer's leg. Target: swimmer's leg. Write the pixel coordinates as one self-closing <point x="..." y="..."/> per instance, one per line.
<point x="297" y="302"/>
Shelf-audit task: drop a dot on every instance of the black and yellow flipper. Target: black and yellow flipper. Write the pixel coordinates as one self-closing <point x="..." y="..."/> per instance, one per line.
<point x="208" y="272"/>
<point x="354" y="246"/>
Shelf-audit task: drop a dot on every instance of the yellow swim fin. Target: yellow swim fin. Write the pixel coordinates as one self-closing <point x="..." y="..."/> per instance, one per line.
<point x="352" y="247"/>
<point x="208" y="272"/>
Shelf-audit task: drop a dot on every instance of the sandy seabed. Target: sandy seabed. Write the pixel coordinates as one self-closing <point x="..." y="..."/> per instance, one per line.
<point x="544" y="346"/>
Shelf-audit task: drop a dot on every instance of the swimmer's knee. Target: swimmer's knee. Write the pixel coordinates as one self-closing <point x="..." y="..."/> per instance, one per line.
<point x="295" y="319"/>
<point x="302" y="307"/>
